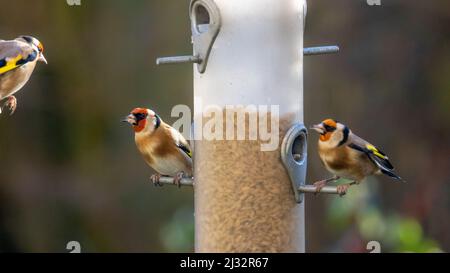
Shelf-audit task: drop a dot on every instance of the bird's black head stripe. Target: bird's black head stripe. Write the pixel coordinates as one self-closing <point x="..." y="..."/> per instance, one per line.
<point x="28" y="39"/>
<point x="140" y="116"/>
<point x="329" y="128"/>
<point x="346" y="132"/>
<point x="158" y="122"/>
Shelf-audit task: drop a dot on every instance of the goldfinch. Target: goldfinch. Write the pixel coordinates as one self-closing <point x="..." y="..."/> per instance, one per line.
<point x="348" y="156"/>
<point x="18" y="59"/>
<point x="163" y="148"/>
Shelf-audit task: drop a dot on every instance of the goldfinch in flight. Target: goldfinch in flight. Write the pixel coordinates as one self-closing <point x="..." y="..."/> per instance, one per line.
<point x="163" y="148"/>
<point x="18" y="59"/>
<point x="348" y="156"/>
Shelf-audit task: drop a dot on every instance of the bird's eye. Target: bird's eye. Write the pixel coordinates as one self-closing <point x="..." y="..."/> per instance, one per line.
<point x="329" y="128"/>
<point x="140" y="116"/>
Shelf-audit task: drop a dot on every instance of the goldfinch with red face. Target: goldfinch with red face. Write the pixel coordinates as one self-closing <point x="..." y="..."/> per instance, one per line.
<point x="348" y="156"/>
<point x="163" y="148"/>
<point x="18" y="59"/>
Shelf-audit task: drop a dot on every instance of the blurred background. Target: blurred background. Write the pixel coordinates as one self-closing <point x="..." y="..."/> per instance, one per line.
<point x="70" y="170"/>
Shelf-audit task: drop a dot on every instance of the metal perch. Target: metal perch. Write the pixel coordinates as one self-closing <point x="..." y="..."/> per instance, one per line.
<point x="170" y="181"/>
<point x="320" y="50"/>
<point x="303" y="189"/>
<point x="308" y="51"/>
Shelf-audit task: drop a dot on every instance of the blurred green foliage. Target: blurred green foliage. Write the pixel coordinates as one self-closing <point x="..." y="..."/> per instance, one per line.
<point x="178" y="233"/>
<point x="394" y="232"/>
<point x="70" y="170"/>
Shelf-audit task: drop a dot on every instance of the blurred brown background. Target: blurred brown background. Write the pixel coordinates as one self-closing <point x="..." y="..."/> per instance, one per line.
<point x="70" y="170"/>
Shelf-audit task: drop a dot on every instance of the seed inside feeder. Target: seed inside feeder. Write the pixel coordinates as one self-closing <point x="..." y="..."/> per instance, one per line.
<point x="258" y="188"/>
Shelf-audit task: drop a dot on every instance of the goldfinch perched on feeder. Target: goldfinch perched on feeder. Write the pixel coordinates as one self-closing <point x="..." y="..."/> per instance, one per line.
<point x="18" y="59"/>
<point x="348" y="156"/>
<point x="162" y="147"/>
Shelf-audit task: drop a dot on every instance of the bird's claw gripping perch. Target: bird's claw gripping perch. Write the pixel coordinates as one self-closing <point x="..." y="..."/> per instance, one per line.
<point x="177" y="179"/>
<point x="319" y="185"/>
<point x="322" y="183"/>
<point x="11" y="104"/>
<point x="342" y="189"/>
<point x="155" y="180"/>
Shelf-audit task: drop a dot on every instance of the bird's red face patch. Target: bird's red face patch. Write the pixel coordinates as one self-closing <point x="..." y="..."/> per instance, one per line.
<point x="330" y="126"/>
<point x="41" y="47"/>
<point x="326" y="136"/>
<point x="139" y="111"/>
<point x="330" y="122"/>
<point x="141" y="119"/>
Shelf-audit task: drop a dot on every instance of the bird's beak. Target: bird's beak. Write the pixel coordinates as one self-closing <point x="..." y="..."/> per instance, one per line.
<point x="131" y="119"/>
<point x="42" y="59"/>
<point x="319" y="128"/>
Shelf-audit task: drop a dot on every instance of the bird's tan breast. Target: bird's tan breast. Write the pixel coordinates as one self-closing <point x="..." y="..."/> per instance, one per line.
<point x="14" y="80"/>
<point x="161" y="153"/>
<point x="346" y="162"/>
<point x="155" y="145"/>
<point x="334" y="158"/>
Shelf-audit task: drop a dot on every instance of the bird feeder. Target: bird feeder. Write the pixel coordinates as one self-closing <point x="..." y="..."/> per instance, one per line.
<point x="250" y="142"/>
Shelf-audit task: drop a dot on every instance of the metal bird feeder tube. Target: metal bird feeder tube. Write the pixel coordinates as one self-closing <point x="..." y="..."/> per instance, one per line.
<point x="243" y="196"/>
<point x="249" y="54"/>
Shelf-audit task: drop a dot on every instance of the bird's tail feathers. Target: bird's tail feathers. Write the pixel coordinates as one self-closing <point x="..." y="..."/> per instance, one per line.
<point x="393" y="175"/>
